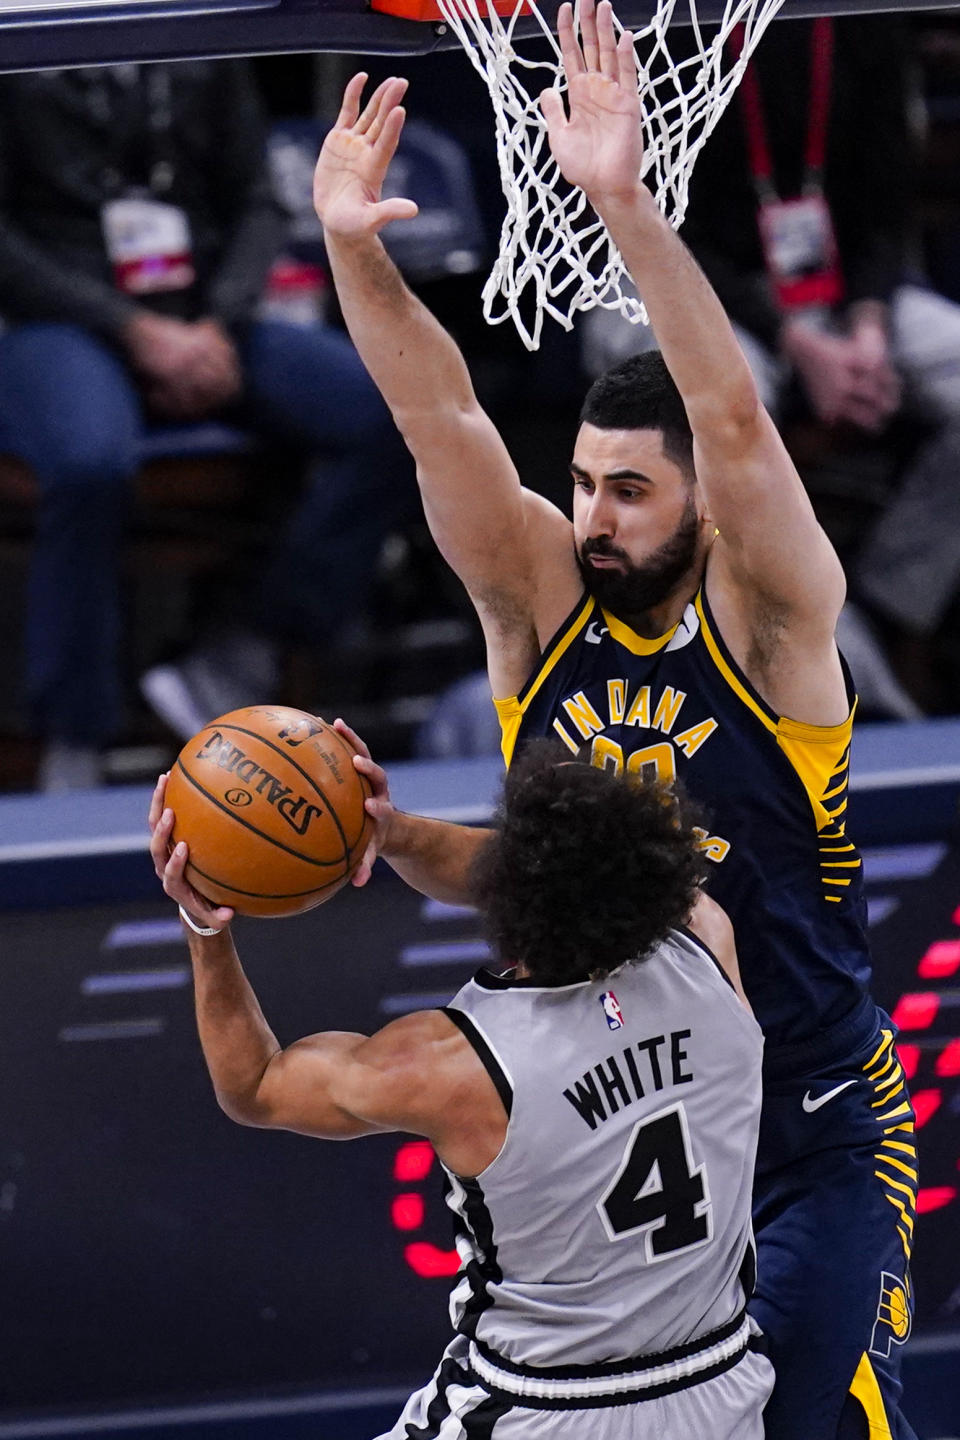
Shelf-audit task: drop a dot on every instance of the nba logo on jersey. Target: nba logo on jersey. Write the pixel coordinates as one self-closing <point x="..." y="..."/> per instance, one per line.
<point x="611" y="1010"/>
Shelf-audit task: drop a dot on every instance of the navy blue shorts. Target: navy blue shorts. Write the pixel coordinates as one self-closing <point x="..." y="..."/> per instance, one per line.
<point x="834" y="1210"/>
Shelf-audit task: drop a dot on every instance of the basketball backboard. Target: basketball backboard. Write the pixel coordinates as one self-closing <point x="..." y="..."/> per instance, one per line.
<point x="40" y="34"/>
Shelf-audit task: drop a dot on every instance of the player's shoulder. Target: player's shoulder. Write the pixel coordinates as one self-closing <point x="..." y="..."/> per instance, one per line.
<point x="422" y="1037"/>
<point x="711" y="925"/>
<point x="709" y="921"/>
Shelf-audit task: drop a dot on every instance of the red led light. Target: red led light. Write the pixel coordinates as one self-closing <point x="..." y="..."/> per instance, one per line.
<point x="926" y="1103"/>
<point x="430" y="1261"/>
<point x="407" y="1211"/>
<point x="909" y="1057"/>
<point x="948" y="1062"/>
<point x="915" y="1012"/>
<point x="414" y="1161"/>
<point x="942" y="958"/>
<point x="935" y="1197"/>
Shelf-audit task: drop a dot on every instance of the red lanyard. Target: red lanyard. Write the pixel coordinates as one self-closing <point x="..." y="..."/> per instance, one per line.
<point x="758" y="148"/>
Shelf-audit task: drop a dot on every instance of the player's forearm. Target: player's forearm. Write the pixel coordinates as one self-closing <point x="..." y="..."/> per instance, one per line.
<point x="691" y="327"/>
<point x="414" y="363"/>
<point x="237" y="1042"/>
<point x="433" y="856"/>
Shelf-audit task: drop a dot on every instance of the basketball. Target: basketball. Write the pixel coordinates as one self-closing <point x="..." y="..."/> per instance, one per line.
<point x="271" y="807"/>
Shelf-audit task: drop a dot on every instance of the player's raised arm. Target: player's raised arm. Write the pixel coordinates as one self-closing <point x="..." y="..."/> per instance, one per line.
<point x="770" y="540"/>
<point x="435" y="857"/>
<point x="474" y="504"/>
<point x="335" y="1085"/>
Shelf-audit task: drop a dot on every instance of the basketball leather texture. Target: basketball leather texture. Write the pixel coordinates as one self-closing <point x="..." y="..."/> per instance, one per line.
<point x="271" y="807"/>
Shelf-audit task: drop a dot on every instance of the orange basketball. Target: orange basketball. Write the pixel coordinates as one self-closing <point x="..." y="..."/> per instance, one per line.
<point x="271" y="806"/>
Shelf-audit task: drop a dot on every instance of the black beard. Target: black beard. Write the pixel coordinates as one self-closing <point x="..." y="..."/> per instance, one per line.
<point x="640" y="588"/>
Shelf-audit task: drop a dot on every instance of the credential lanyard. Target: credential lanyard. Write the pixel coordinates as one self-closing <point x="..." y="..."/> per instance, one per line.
<point x="818" y="111"/>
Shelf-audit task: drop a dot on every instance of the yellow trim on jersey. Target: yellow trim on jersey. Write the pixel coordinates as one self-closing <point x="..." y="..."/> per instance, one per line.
<point x="866" y="1389"/>
<point x="815" y="752"/>
<point x="899" y="1165"/>
<point x="819" y="754"/>
<point x="905" y="1215"/>
<point x="510" y="710"/>
<point x="902" y="1146"/>
<point x="630" y="640"/>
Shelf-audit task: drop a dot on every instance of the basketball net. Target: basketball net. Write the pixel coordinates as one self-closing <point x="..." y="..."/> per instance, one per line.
<point x="556" y="257"/>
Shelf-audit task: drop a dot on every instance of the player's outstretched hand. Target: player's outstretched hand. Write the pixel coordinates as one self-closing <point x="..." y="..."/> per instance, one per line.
<point x="169" y="862"/>
<point x="353" y="162"/>
<point x="378" y="805"/>
<point x="600" y="145"/>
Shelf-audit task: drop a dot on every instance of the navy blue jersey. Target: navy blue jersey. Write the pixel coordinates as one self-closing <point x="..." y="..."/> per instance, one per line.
<point x="774" y="792"/>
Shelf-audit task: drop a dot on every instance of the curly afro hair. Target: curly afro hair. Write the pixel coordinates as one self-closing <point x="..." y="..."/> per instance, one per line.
<point x="587" y="869"/>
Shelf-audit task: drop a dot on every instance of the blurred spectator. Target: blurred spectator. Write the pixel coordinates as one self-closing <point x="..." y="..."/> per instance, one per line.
<point x="463" y="722"/>
<point x="137" y="227"/>
<point x="800" y="213"/>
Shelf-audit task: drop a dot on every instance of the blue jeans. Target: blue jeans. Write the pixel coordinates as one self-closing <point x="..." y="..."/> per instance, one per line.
<point x="70" y="407"/>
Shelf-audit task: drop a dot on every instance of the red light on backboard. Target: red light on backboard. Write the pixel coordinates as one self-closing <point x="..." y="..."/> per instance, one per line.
<point x="407" y="1211"/>
<point x="430" y="10"/>
<point x="909" y="1057"/>
<point x="430" y="1261"/>
<point x="948" y="1062"/>
<point x="935" y="1197"/>
<point x="915" y="1012"/>
<point x="942" y="959"/>
<point x="414" y="1161"/>
<point x="926" y="1103"/>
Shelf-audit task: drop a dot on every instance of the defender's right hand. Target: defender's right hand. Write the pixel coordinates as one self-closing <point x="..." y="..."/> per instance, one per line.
<point x="354" y="160"/>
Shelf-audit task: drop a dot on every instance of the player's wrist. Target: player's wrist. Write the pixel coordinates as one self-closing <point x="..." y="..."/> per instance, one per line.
<point x="197" y="926"/>
<point x="351" y="238"/>
<point x="633" y="202"/>
<point x="397" y="835"/>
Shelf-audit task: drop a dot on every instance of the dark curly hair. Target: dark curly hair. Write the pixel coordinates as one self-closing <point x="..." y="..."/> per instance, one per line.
<point x="586" y="869"/>
<point x="640" y="394"/>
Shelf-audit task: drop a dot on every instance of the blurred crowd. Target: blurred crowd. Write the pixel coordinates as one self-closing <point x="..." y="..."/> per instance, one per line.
<point x="163" y="298"/>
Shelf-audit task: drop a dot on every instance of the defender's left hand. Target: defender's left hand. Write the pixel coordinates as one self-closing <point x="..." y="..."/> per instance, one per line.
<point x="600" y="146"/>
<point x="378" y="804"/>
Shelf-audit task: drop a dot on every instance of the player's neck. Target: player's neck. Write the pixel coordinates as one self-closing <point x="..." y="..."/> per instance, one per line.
<point x="661" y="619"/>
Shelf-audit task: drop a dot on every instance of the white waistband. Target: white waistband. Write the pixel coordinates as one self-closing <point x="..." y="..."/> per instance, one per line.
<point x="672" y="1372"/>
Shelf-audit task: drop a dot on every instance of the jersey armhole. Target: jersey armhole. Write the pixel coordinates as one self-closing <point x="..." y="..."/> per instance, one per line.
<point x="485" y="1054"/>
<point x="702" y="945"/>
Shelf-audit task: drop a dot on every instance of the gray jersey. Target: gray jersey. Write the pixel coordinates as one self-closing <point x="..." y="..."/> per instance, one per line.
<point x="615" y="1221"/>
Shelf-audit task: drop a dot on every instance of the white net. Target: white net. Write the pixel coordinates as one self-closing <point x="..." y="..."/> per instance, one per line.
<point x="555" y="256"/>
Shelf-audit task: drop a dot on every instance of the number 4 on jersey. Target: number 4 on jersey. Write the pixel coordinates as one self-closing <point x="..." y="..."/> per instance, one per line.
<point x="658" y="1190"/>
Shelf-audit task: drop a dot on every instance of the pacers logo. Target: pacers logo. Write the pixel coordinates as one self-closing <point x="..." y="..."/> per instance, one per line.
<point x="892" y="1325"/>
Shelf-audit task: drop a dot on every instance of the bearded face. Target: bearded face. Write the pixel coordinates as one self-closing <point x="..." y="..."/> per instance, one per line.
<point x="627" y="589"/>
